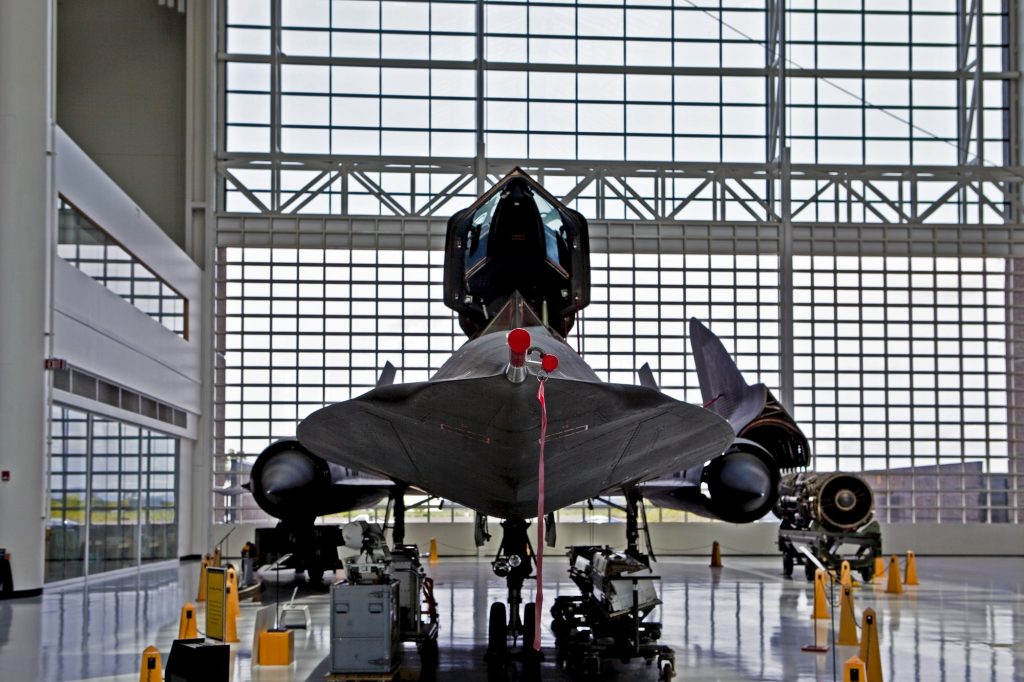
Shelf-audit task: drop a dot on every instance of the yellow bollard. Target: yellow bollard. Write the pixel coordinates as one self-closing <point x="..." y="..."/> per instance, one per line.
<point x="845" y="579"/>
<point x="433" y="550"/>
<point x="716" y="555"/>
<point x="847" y="620"/>
<point x="187" y="628"/>
<point x="277" y="647"/>
<point x="202" y="578"/>
<point x="870" y="651"/>
<point x="216" y="558"/>
<point x="231" y="609"/>
<point x="894" y="586"/>
<point x="911" y="573"/>
<point x="820" y="600"/>
<point x="152" y="669"/>
<point x="854" y="670"/>
<point x="879" y="568"/>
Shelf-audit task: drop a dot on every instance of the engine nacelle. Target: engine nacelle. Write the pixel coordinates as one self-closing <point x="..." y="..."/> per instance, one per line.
<point x="290" y="482"/>
<point x="778" y="434"/>
<point x="837" y="501"/>
<point x="740" y="486"/>
<point x="743" y="483"/>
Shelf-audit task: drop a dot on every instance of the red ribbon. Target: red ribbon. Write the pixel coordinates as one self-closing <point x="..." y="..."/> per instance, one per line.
<point x="538" y="603"/>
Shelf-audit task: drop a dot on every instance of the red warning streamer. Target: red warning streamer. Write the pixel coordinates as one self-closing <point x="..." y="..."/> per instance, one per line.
<point x="539" y="602"/>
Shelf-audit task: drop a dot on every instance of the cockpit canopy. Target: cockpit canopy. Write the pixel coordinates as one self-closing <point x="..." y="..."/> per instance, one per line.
<point x="517" y="237"/>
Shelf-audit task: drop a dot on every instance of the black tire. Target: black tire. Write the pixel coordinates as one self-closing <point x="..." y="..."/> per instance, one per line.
<point x="314" y="576"/>
<point x="809" y="570"/>
<point x="429" y="654"/>
<point x="787" y="565"/>
<point x="497" y="630"/>
<point x="529" y="625"/>
<point x="867" y="574"/>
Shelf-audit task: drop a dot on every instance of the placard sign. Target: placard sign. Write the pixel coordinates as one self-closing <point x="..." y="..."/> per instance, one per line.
<point x="216" y="601"/>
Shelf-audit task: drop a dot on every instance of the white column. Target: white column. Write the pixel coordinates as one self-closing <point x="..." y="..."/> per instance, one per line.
<point x="201" y="133"/>
<point x="25" y="225"/>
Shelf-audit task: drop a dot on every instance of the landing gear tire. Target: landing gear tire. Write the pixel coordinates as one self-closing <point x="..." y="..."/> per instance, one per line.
<point x="529" y="631"/>
<point x="809" y="570"/>
<point x="314" y="576"/>
<point x="787" y="565"/>
<point x="529" y="624"/>
<point x="429" y="655"/>
<point x="497" y="631"/>
<point x="666" y="668"/>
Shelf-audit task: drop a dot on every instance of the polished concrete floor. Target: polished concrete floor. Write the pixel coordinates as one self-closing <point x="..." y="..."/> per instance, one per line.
<point x="743" y="622"/>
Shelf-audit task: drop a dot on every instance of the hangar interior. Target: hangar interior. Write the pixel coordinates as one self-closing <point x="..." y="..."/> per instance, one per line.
<point x="219" y="216"/>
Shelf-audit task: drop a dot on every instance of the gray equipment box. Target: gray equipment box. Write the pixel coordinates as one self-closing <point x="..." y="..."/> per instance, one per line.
<point x="364" y="628"/>
<point x="405" y="566"/>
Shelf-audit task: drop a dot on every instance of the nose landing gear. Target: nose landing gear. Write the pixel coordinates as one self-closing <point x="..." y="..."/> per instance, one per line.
<point x="514" y="562"/>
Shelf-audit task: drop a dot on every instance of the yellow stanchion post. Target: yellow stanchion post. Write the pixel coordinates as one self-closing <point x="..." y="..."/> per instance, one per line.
<point x="870" y="650"/>
<point x="847" y="620"/>
<point x="820" y="600"/>
<point x="152" y="667"/>
<point x="277" y="647"/>
<point x="845" y="578"/>
<point x="216" y="558"/>
<point x="911" y="573"/>
<point x="716" y="555"/>
<point x="854" y="670"/>
<point x="894" y="586"/>
<point x="879" y="572"/>
<point x="231" y="608"/>
<point x="202" y="578"/>
<point x="187" y="628"/>
<point x="433" y="551"/>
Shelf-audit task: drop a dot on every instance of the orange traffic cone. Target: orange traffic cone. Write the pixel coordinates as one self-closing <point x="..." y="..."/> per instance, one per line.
<point x="820" y="600"/>
<point x="152" y="669"/>
<point x="845" y="579"/>
<point x="854" y="670"/>
<point x="847" y="620"/>
<point x="202" y="578"/>
<point x="231" y="608"/>
<point x="879" y="571"/>
<point x="716" y="555"/>
<point x="187" y="628"/>
<point x="911" y="572"/>
<point x="870" y="651"/>
<point x="894" y="586"/>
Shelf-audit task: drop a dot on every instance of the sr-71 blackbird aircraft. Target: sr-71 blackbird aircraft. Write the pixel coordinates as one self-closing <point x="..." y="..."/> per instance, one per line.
<point x="517" y="272"/>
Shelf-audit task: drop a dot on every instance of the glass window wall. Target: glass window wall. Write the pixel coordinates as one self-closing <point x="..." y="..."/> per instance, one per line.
<point x="113" y="495"/>
<point x="86" y="246"/>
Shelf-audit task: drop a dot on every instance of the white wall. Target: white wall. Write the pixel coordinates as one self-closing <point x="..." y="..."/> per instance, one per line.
<point x="26" y="222"/>
<point x="120" y="78"/>
<point x="98" y="331"/>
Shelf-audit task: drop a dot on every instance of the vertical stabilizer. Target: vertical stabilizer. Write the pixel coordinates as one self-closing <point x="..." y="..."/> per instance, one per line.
<point x="752" y="411"/>
<point x="722" y="387"/>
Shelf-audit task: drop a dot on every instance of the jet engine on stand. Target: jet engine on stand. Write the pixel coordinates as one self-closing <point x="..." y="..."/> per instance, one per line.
<point x="827" y="519"/>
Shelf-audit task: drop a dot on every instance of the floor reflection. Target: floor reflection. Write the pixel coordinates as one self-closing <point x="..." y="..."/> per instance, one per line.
<point x="741" y="622"/>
